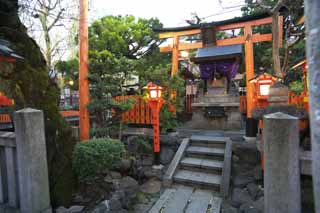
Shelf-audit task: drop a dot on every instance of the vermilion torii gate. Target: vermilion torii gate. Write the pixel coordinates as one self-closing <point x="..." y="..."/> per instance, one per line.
<point x="248" y="38"/>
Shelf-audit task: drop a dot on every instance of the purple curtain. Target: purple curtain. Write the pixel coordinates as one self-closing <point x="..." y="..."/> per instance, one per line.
<point x="227" y="68"/>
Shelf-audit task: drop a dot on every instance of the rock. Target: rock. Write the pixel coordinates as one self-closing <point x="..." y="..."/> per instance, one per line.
<point x="239" y="197"/>
<point x="259" y="204"/>
<point x="242" y="181"/>
<point x="254" y="191"/>
<point x="115" y="175"/>
<point x="78" y="199"/>
<point x="227" y="208"/>
<point x="151" y="186"/>
<point x="72" y="209"/>
<point x="247" y="152"/>
<point x="235" y="158"/>
<point x="108" y="179"/>
<point x="61" y="209"/>
<point x="132" y="146"/>
<point x="145" y="161"/>
<point x="248" y="208"/>
<point x="149" y="173"/>
<point x="103" y="207"/>
<point x="170" y="140"/>
<point x="166" y="155"/>
<point x="128" y="184"/>
<point x="126" y="189"/>
<point x="141" y="208"/>
<point x="115" y="204"/>
<point x="76" y="209"/>
<point x="125" y="165"/>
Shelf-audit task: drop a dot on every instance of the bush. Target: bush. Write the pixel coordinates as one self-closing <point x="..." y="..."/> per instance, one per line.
<point x="91" y="158"/>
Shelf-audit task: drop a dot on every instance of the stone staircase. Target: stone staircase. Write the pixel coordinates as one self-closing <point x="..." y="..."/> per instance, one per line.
<point x="205" y="163"/>
<point x="201" y="163"/>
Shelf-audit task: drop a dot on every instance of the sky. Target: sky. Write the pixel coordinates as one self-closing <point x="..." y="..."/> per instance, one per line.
<point x="171" y="13"/>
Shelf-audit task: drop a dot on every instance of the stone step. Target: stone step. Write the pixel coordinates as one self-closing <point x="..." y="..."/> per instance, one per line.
<point x="197" y="178"/>
<point x="205" y="164"/>
<point x="209" y="141"/>
<point x="205" y="151"/>
<point x="219" y="99"/>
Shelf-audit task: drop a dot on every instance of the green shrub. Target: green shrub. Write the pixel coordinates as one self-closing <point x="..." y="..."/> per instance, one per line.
<point x="90" y="158"/>
<point x="296" y="87"/>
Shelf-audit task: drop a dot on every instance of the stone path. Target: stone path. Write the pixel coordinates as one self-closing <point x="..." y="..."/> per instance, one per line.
<point x="184" y="199"/>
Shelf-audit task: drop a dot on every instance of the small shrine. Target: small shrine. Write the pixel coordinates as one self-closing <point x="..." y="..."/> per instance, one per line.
<point x="216" y="105"/>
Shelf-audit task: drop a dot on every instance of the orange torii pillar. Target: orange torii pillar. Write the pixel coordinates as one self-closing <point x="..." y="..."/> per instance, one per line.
<point x="83" y="71"/>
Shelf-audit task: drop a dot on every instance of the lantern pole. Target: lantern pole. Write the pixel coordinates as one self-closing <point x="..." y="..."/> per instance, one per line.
<point x="83" y="71"/>
<point x="155" y="104"/>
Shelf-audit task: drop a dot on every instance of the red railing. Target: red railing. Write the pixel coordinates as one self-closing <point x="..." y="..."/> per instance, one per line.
<point x="69" y="113"/>
<point x="5" y="118"/>
<point x="140" y="113"/>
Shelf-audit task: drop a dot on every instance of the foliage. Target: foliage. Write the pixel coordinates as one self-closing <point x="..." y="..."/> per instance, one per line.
<point x="173" y="94"/>
<point x="293" y="45"/>
<point x="117" y="45"/>
<point x="296" y="86"/>
<point x="69" y="71"/>
<point x="143" y="145"/>
<point x="30" y="86"/>
<point x="91" y="158"/>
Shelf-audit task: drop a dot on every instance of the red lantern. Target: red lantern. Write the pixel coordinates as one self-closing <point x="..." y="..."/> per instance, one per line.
<point x="155" y="102"/>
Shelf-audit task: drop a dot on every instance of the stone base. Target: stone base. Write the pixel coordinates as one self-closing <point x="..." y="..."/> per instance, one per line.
<point x="232" y="120"/>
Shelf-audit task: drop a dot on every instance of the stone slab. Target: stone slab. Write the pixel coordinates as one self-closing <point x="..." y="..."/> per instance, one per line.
<point x="205" y="150"/>
<point x="208" y="139"/>
<point x="196" y="177"/>
<point x="226" y="171"/>
<point x="167" y="195"/>
<point x="180" y="200"/>
<point x="199" y="201"/>
<point x="202" y="163"/>
<point x="167" y="179"/>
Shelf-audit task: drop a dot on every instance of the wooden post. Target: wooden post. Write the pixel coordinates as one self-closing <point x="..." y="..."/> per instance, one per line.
<point x="83" y="71"/>
<point x="282" y="191"/>
<point x="249" y="68"/>
<point x="312" y="8"/>
<point x="175" y="56"/>
<point x="249" y="59"/>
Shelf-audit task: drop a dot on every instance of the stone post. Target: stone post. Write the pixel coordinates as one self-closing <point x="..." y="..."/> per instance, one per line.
<point x="32" y="161"/>
<point x="281" y="169"/>
<point x="311" y="11"/>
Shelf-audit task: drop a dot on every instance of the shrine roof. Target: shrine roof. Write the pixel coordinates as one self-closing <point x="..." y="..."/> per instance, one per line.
<point x="217" y="53"/>
<point x="6" y="51"/>
<point x="217" y="23"/>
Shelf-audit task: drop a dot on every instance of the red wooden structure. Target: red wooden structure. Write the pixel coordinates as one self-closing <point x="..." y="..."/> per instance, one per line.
<point x="140" y="113"/>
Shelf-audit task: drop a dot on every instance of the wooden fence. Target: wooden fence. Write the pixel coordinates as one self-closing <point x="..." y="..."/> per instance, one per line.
<point x="140" y="113"/>
<point x="24" y="185"/>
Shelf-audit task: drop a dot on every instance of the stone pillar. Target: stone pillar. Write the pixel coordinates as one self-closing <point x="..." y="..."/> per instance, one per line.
<point x="32" y="161"/>
<point x="282" y="191"/>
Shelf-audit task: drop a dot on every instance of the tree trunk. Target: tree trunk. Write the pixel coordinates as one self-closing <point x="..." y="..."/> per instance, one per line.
<point x="275" y="44"/>
<point x="312" y="8"/>
<point x="43" y="17"/>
